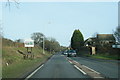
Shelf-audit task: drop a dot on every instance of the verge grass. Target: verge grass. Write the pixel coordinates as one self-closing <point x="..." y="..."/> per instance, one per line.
<point x="13" y="64"/>
<point x="104" y="56"/>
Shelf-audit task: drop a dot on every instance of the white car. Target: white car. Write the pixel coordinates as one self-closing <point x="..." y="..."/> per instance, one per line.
<point x="65" y="53"/>
<point x="71" y="53"/>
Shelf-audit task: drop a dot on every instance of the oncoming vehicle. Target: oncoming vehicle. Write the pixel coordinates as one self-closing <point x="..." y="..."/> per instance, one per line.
<point x="71" y="53"/>
<point x="65" y="52"/>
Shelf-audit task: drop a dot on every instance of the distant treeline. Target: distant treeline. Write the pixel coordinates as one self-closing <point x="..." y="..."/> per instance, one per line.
<point x="50" y="44"/>
<point x="10" y="43"/>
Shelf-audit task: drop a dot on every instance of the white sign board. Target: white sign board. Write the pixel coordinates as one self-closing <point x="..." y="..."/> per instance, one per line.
<point x="29" y="43"/>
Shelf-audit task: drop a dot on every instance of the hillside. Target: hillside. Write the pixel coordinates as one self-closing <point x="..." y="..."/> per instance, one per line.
<point x="13" y="63"/>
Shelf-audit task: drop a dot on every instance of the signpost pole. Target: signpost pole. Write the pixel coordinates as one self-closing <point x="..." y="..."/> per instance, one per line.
<point x="43" y="45"/>
<point x="27" y="49"/>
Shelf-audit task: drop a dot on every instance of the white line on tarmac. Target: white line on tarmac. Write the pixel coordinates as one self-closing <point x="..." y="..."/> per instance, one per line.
<point x="75" y="61"/>
<point x="34" y="72"/>
<point x="91" y="69"/>
<point x="80" y="70"/>
<point x="70" y="62"/>
<point x="68" y="58"/>
<point x="98" y="77"/>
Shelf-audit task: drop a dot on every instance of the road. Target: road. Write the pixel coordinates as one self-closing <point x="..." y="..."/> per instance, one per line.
<point x="58" y="66"/>
<point x="108" y="68"/>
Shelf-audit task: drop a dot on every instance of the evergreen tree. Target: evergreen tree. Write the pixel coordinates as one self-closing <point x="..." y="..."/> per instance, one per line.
<point x="77" y="40"/>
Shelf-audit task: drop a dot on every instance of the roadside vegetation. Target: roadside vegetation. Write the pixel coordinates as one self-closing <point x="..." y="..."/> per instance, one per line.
<point x="108" y="57"/>
<point x="102" y="44"/>
<point x="77" y="40"/>
<point x="104" y="56"/>
<point x="103" y="53"/>
<point x="13" y="63"/>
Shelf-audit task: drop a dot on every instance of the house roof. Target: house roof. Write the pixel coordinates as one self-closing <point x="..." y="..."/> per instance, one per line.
<point x="90" y="39"/>
<point x="105" y="37"/>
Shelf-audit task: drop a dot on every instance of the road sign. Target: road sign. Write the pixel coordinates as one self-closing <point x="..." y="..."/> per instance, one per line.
<point x="29" y="43"/>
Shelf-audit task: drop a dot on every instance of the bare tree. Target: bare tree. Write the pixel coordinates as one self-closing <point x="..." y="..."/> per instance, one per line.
<point x="37" y="37"/>
<point x="15" y="1"/>
<point x="95" y="34"/>
<point x="117" y="34"/>
<point x="52" y="45"/>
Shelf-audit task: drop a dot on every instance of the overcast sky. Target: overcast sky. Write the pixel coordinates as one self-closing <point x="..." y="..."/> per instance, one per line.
<point x="59" y="19"/>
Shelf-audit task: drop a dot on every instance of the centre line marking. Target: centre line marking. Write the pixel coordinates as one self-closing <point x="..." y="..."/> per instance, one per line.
<point x="80" y="70"/>
<point x="91" y="69"/>
<point x="98" y="77"/>
<point x="34" y="72"/>
<point x="76" y="62"/>
<point x="70" y="62"/>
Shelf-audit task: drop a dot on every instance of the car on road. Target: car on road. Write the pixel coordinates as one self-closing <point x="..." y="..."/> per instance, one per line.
<point x="71" y="53"/>
<point x="65" y="52"/>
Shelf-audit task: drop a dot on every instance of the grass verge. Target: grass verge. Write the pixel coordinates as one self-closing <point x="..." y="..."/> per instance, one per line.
<point x="104" y="56"/>
<point x="17" y="66"/>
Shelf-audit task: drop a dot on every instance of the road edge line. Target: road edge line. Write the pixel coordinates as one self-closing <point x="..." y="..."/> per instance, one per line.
<point x="80" y="70"/>
<point x="34" y="72"/>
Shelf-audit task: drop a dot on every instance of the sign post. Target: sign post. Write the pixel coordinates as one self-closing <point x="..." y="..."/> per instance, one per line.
<point x="29" y="44"/>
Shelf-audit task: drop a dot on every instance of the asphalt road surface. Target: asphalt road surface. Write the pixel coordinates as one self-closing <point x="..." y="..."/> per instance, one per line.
<point x="59" y="67"/>
<point x="108" y="68"/>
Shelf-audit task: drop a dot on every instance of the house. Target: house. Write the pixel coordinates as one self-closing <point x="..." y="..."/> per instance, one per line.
<point x="101" y="40"/>
<point x="106" y="39"/>
<point x="90" y="42"/>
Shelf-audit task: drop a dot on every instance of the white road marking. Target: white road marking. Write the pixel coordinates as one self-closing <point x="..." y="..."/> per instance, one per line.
<point x="75" y="61"/>
<point x="34" y="72"/>
<point x="91" y="69"/>
<point x="98" y="77"/>
<point x="70" y="62"/>
<point x="80" y="70"/>
<point x="68" y="58"/>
